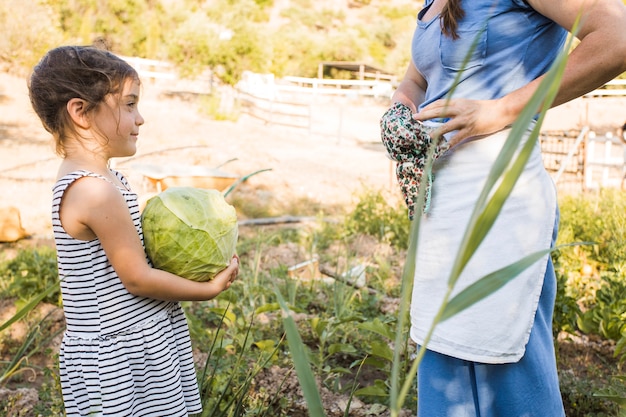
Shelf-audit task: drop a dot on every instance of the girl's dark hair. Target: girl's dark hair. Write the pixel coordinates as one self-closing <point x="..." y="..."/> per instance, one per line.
<point x="451" y="13"/>
<point x="69" y="72"/>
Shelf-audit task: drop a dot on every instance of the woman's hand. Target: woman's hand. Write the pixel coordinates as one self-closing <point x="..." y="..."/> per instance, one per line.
<point x="470" y="119"/>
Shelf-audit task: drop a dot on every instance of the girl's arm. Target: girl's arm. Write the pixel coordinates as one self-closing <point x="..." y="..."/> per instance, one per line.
<point x="599" y="57"/>
<point x="96" y="206"/>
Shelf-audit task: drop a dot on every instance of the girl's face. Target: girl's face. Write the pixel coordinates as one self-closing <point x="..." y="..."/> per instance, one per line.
<point x="118" y="121"/>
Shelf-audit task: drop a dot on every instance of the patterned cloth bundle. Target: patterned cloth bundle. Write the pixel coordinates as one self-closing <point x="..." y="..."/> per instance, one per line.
<point x="407" y="141"/>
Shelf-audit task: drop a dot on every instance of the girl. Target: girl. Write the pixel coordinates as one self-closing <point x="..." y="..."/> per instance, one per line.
<point x="126" y="350"/>
<point x="496" y="358"/>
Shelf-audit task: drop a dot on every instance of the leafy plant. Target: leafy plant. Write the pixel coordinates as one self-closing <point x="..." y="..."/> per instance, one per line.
<point x="29" y="273"/>
<point x="225" y="380"/>
<point x="615" y="393"/>
<point x="580" y="398"/>
<point x="37" y="338"/>
<point x="25" y="278"/>
<point x="594" y="275"/>
<point x="34" y="341"/>
<point x="566" y="309"/>
<point x="222" y="36"/>
<point x="377" y="216"/>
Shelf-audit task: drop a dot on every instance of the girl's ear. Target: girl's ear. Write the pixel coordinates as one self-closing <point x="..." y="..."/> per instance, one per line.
<point x="76" y="108"/>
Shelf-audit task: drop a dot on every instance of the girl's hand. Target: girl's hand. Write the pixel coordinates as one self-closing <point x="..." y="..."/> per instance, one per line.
<point x="470" y="119"/>
<point x="227" y="276"/>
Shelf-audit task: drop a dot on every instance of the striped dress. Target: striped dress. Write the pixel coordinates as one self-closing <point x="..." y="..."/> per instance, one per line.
<point x="122" y="355"/>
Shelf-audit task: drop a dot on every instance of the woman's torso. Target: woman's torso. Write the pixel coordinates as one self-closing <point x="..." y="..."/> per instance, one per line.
<point x="492" y="56"/>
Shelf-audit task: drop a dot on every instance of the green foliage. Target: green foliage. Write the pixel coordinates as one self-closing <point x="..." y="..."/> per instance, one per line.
<point x="120" y="23"/>
<point x="50" y="402"/>
<point x="243" y="326"/>
<point x="303" y="13"/>
<point x="245" y="50"/>
<point x="398" y="12"/>
<point x="599" y="218"/>
<point x="264" y="4"/>
<point x="594" y="274"/>
<point x="293" y="52"/>
<point x="566" y="309"/>
<point x="39" y="335"/>
<point x="607" y="316"/>
<point x="230" y="342"/>
<point x="301" y="362"/>
<point x="615" y="392"/>
<point x="29" y="274"/>
<point x="25" y="278"/>
<point x="578" y="396"/>
<point x="342" y="46"/>
<point x="26" y="34"/>
<point x="192" y="44"/>
<point x="227" y="37"/>
<point x="381" y="216"/>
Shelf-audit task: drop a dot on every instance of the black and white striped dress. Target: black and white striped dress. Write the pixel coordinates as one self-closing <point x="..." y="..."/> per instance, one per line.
<point x="122" y="355"/>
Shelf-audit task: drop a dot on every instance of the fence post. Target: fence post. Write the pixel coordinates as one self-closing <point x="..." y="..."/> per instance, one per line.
<point x="608" y="143"/>
<point x="589" y="152"/>
<point x="340" y="126"/>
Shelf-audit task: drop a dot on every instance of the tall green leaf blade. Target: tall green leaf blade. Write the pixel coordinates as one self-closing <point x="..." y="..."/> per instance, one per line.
<point x="408" y="274"/>
<point x="489" y="284"/>
<point x="301" y="362"/>
<point x="29" y="306"/>
<point x="377" y="326"/>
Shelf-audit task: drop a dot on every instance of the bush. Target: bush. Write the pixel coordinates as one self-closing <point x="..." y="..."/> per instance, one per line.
<point x="26" y="34"/>
<point x="223" y="36"/>
<point x="599" y="219"/>
<point x="29" y="274"/>
<point x="380" y="216"/>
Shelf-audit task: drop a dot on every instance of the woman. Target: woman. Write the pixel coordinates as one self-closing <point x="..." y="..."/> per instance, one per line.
<point x="495" y="358"/>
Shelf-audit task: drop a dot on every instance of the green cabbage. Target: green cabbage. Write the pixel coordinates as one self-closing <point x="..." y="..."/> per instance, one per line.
<point x="190" y="232"/>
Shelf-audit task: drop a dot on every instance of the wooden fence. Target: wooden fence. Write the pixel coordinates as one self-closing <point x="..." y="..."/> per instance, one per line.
<point x="612" y="88"/>
<point x="278" y="112"/>
<point x="324" y="107"/>
<point x="165" y="77"/>
<point x="584" y="161"/>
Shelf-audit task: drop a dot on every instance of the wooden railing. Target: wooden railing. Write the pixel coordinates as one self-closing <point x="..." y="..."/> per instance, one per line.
<point x="609" y="89"/>
<point x="584" y="161"/>
<point x="279" y="112"/>
<point x="324" y="86"/>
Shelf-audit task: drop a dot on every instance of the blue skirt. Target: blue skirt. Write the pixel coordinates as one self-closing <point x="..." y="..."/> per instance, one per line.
<point x="450" y="387"/>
